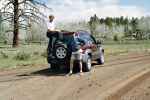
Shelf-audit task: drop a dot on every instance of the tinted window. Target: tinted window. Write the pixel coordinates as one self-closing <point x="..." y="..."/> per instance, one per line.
<point x="67" y="39"/>
<point x="87" y="37"/>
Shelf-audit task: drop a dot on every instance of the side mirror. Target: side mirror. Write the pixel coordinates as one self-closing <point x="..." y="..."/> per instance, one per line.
<point x="98" y="42"/>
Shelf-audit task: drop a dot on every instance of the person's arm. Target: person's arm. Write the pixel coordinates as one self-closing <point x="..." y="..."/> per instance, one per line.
<point x="82" y="42"/>
<point x="68" y="33"/>
<point x="49" y="30"/>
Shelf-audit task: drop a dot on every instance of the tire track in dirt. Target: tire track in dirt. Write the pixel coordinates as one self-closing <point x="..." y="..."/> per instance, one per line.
<point x="122" y="88"/>
<point x="122" y="60"/>
<point x="92" y="93"/>
<point x="85" y="86"/>
<point x="130" y="60"/>
<point x="139" y="92"/>
<point x="126" y="56"/>
<point x="75" y="87"/>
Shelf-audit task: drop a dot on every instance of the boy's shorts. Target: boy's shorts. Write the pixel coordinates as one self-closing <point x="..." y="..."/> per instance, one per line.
<point x="77" y="55"/>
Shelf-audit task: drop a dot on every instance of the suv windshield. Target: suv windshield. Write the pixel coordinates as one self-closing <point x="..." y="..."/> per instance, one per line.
<point x="86" y="36"/>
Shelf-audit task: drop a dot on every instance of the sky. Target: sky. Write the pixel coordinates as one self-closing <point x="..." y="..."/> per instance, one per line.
<point x="83" y="9"/>
<point x="74" y="10"/>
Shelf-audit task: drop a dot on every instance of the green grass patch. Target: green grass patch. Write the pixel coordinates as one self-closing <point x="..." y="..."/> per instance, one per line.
<point x="22" y="56"/>
<point x="114" y="49"/>
<point x="25" y="55"/>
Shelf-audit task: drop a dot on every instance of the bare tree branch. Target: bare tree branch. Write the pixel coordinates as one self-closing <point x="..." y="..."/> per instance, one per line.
<point x="7" y="5"/>
<point x="7" y="13"/>
<point x="20" y="14"/>
<point x="9" y="19"/>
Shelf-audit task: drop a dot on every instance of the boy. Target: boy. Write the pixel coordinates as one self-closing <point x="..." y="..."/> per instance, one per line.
<point x="76" y="52"/>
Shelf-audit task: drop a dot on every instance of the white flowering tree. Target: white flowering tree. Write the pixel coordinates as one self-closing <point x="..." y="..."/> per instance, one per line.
<point x="20" y="13"/>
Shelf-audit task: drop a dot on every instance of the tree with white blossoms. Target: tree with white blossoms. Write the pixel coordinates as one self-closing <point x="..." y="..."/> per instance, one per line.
<point x="20" y="13"/>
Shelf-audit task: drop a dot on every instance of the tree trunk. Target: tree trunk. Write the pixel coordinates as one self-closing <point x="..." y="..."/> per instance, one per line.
<point x="16" y="24"/>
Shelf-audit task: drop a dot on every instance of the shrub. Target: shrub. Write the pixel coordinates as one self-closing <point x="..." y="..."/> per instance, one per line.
<point x="115" y="38"/>
<point x="36" y="53"/>
<point x="22" y="56"/>
<point x="44" y="54"/>
<point x="4" y="55"/>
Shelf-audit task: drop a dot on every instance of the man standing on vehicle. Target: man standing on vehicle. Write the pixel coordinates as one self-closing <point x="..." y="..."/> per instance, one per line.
<point x="76" y="46"/>
<point x="52" y="33"/>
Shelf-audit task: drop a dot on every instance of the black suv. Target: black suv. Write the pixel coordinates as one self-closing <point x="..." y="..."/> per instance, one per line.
<point x="60" y="54"/>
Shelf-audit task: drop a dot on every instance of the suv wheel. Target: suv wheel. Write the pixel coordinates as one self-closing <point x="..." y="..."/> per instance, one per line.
<point x="88" y="64"/>
<point x="100" y="60"/>
<point x="60" y="52"/>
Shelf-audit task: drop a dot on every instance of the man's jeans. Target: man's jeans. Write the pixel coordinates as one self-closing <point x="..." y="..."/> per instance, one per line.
<point x="53" y="36"/>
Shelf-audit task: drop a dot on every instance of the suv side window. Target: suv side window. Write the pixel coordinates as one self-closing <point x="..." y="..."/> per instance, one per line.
<point x="85" y="36"/>
<point x="67" y="39"/>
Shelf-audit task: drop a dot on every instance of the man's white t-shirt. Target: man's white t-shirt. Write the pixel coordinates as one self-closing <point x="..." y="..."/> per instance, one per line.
<point x="51" y="26"/>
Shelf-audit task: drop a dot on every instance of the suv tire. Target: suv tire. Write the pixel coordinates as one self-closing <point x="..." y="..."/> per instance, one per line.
<point x="100" y="60"/>
<point x="88" y="64"/>
<point x="60" y="52"/>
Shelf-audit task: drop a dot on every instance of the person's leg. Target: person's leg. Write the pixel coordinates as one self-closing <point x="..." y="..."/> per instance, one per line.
<point x="49" y="51"/>
<point x="55" y="37"/>
<point x="81" y="66"/>
<point x="71" y="64"/>
<point x="81" y="72"/>
<point x="80" y="63"/>
<point x="50" y="41"/>
<point x="53" y="42"/>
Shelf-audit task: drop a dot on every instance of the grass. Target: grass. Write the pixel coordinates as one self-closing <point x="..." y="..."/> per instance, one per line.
<point x="125" y="48"/>
<point x="114" y="48"/>
<point x="22" y="55"/>
<point x="28" y="55"/>
<point x="25" y="55"/>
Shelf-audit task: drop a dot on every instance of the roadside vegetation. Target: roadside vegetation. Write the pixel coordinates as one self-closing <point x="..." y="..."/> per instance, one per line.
<point x="35" y="54"/>
<point x="116" y="48"/>
<point x="118" y="35"/>
<point x="25" y="55"/>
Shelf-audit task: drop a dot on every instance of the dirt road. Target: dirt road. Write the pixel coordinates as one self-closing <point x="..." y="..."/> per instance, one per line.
<point x="39" y="83"/>
<point x="139" y="92"/>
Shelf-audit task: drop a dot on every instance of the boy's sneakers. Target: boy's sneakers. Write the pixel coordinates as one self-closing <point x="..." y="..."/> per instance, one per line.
<point x="81" y="73"/>
<point x="69" y="74"/>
